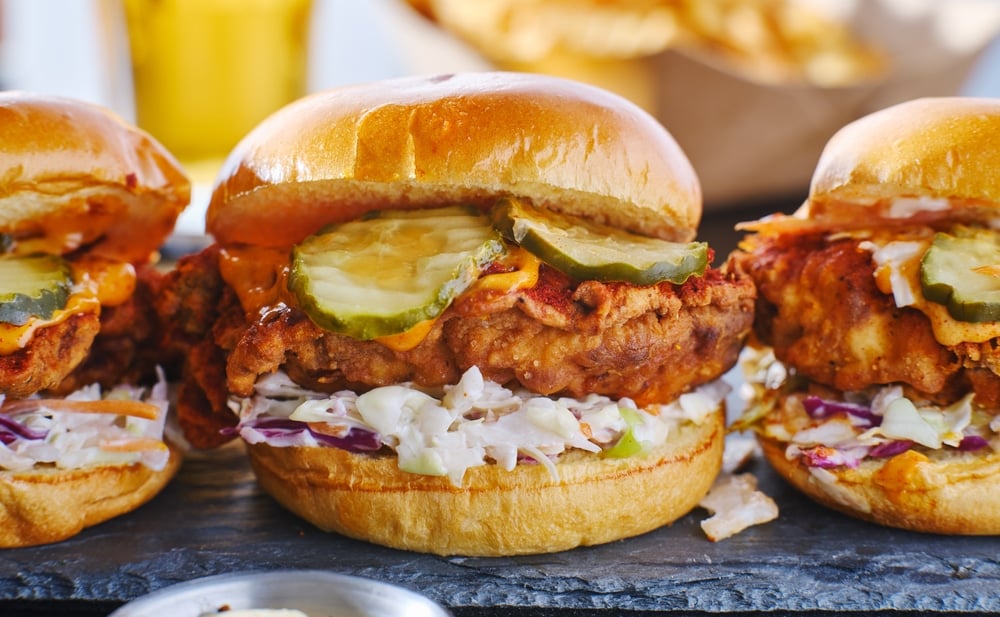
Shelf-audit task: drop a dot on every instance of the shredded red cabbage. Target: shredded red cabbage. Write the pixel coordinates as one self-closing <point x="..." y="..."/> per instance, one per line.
<point x="828" y="458"/>
<point x="971" y="443"/>
<point x="355" y="440"/>
<point x="11" y="431"/>
<point x="821" y="409"/>
<point x="891" y="448"/>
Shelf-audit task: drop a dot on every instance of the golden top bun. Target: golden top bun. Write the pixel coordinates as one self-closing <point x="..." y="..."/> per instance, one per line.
<point x="945" y="493"/>
<point x="71" y="167"/>
<point x="495" y="512"/>
<point x="470" y="138"/>
<point x="43" y="506"/>
<point x="933" y="148"/>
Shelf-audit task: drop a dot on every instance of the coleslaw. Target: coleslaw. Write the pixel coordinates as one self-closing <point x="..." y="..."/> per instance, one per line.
<point x="878" y="423"/>
<point x="446" y="431"/>
<point x="124" y="426"/>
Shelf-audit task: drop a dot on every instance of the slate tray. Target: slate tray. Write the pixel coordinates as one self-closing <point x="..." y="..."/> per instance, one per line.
<point x="213" y="519"/>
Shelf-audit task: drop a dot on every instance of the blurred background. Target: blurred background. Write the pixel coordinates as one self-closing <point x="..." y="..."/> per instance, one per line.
<point x="751" y="89"/>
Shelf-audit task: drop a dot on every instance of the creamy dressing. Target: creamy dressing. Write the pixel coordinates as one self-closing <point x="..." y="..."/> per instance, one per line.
<point x="475" y="422"/>
<point x="44" y="434"/>
<point x="906" y="207"/>
<point x="883" y="419"/>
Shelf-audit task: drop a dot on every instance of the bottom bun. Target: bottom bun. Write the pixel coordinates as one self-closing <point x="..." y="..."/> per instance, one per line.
<point x="942" y="492"/>
<point x="495" y="512"/>
<point x="42" y="506"/>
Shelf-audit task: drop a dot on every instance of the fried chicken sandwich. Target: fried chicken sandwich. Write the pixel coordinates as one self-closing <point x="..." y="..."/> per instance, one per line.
<point x="462" y="315"/>
<point x="85" y="202"/>
<point x="878" y="389"/>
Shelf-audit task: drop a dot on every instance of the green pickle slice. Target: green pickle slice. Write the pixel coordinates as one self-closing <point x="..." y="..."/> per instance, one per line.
<point x="32" y="286"/>
<point x="962" y="272"/>
<point x="585" y="250"/>
<point x="385" y="273"/>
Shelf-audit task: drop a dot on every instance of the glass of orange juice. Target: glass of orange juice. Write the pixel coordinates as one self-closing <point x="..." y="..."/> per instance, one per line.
<point x="207" y="71"/>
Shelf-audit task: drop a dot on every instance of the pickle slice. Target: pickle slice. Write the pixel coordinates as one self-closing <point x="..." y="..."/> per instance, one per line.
<point x="384" y="274"/>
<point x="32" y="286"/>
<point x="962" y="272"/>
<point x="585" y="250"/>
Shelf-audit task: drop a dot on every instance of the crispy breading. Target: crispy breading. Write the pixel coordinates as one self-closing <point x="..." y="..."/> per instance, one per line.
<point x="124" y="350"/>
<point x="189" y="303"/>
<point x="287" y="338"/>
<point x="820" y="308"/>
<point x="115" y="345"/>
<point x="201" y="397"/>
<point x="649" y="343"/>
<point x="555" y="338"/>
<point x="51" y="354"/>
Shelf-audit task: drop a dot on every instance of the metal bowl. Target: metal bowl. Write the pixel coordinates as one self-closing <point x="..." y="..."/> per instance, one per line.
<point x="314" y="592"/>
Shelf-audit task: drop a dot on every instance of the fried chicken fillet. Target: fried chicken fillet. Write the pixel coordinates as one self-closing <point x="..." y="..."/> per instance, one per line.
<point x="867" y="340"/>
<point x="556" y="338"/>
<point x="124" y="350"/>
<point x="116" y="345"/>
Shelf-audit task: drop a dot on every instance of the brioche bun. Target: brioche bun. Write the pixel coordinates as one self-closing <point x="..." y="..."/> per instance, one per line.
<point x="470" y="138"/>
<point x="42" y="506"/>
<point x="495" y="512"/>
<point x="933" y="148"/>
<point x="940" y="492"/>
<point x="70" y="166"/>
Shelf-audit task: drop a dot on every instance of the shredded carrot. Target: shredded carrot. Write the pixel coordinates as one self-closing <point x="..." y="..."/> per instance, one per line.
<point x="990" y="270"/>
<point x="323" y="428"/>
<point x="116" y="406"/>
<point x="132" y="445"/>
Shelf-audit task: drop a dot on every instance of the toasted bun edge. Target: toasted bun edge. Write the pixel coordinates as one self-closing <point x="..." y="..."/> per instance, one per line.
<point x="46" y="506"/>
<point x="495" y="512"/>
<point x="951" y="494"/>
